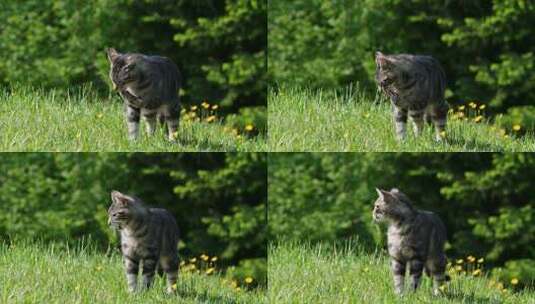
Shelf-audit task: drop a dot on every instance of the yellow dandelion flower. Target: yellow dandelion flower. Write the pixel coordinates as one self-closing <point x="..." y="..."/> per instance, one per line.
<point x="174" y="286"/>
<point x="450" y="111"/>
<point x="442" y="134"/>
<point x="499" y="285"/>
<point x="459" y="261"/>
<point x="249" y="127"/>
<point x="204" y="257"/>
<point x="482" y="107"/>
<point x="213" y="259"/>
<point x="238" y="136"/>
<point x="194" y="108"/>
<point x="210" y="118"/>
<point x="504" y="290"/>
<point x="506" y="136"/>
<point x="192" y="114"/>
<point x="99" y="268"/>
<point x="458" y="268"/>
<point x="238" y="289"/>
<point x="234" y="284"/>
<point x="471" y="259"/>
<point x="210" y="270"/>
<point x="478" y="118"/>
<point x="460" y="108"/>
<point x="442" y="288"/>
<point x="476" y="272"/>
<point x="215" y="107"/>
<point x="514" y="281"/>
<point x="460" y="114"/>
<point x="205" y="105"/>
<point x="517" y="127"/>
<point x="481" y="260"/>
<point x="182" y="263"/>
<point x="193" y="260"/>
<point x="183" y="110"/>
<point x="472" y="105"/>
<point x="248" y="280"/>
<point x="100" y="115"/>
<point x="366" y="269"/>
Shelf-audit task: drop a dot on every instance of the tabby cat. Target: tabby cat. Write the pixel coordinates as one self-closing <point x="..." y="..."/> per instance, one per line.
<point x="149" y="87"/>
<point x="415" y="85"/>
<point x="149" y="237"/>
<point x="415" y="238"/>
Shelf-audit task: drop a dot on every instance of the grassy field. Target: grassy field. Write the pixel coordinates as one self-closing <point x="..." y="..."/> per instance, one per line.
<point x="48" y="274"/>
<point x="325" y="274"/>
<point x="302" y="120"/>
<point x="34" y="120"/>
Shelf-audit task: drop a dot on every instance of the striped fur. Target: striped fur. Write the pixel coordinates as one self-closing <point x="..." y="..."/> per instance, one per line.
<point x="149" y="238"/>
<point x="149" y="87"/>
<point x="415" y="85"/>
<point x="415" y="239"/>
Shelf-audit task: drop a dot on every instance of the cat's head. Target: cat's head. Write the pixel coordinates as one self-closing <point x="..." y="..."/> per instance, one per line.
<point x="389" y="70"/>
<point x="391" y="205"/>
<point x="123" y="209"/>
<point x="124" y="68"/>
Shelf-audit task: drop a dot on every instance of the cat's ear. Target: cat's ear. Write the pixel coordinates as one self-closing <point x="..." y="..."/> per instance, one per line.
<point x="385" y="195"/>
<point x="380" y="192"/>
<point x="112" y="54"/>
<point x="381" y="59"/>
<point x="118" y="197"/>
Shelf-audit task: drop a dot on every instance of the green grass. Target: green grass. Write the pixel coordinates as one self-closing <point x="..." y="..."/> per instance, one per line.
<point x="302" y="120"/>
<point x="31" y="273"/>
<point x="35" y="120"/>
<point x="325" y="274"/>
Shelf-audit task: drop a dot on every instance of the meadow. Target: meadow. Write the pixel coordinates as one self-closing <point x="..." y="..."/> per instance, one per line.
<point x="34" y="273"/>
<point x="324" y="273"/>
<point x="351" y="120"/>
<point x="82" y="121"/>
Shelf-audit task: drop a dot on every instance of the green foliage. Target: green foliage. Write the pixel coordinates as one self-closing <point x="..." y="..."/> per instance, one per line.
<point x="61" y="44"/>
<point x="523" y="117"/>
<point x="39" y="273"/>
<point x="255" y="118"/>
<point x="485" y="199"/>
<point x="484" y="46"/>
<point x="218" y="199"/>
<point x="351" y="120"/>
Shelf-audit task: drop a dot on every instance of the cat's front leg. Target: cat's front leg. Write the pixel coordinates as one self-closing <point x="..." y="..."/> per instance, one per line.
<point x="398" y="270"/>
<point x="416" y="268"/>
<point x="131" y="268"/>
<point x="132" y="121"/>
<point x="417" y="117"/>
<point x="400" y="122"/>
<point x="148" y="271"/>
<point x="150" y="120"/>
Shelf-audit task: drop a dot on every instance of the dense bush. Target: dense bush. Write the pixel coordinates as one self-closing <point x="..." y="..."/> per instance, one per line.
<point x="486" y="47"/>
<point x="218" y="199"/>
<point x="485" y="199"/>
<point x="218" y="45"/>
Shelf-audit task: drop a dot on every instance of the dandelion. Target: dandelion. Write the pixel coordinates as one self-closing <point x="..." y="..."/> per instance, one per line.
<point x="234" y="284"/>
<point x="249" y="127"/>
<point x="442" y="288"/>
<point x="204" y="257"/>
<point x="482" y="107"/>
<point x="99" y="268"/>
<point x="215" y="107"/>
<point x="100" y="115"/>
<point x="472" y="105"/>
<point x="461" y="108"/>
<point x="366" y="269"/>
<point x="517" y="127"/>
<point x="514" y="281"/>
<point x="210" y="118"/>
<point x="366" y="115"/>
<point x="442" y="133"/>
<point x="238" y="289"/>
<point x="213" y="259"/>
<point x="194" y="108"/>
<point x="471" y="259"/>
<point x="458" y="268"/>
<point x="499" y="285"/>
<point x="182" y="263"/>
<point x="460" y="114"/>
<point x="504" y="290"/>
<point x="481" y="260"/>
<point x="174" y="135"/>
<point x="205" y="105"/>
<point x="193" y="260"/>
<point x="174" y="286"/>
<point x="459" y="261"/>
<point x="478" y="118"/>
<point x="476" y="272"/>
<point x="248" y="280"/>
<point x="210" y="270"/>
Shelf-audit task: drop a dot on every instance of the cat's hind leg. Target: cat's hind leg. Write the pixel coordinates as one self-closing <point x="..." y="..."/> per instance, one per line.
<point x="416" y="268"/>
<point x="436" y="268"/>
<point x="148" y="271"/>
<point x="172" y="118"/>
<point x="439" y="116"/>
<point x="169" y="265"/>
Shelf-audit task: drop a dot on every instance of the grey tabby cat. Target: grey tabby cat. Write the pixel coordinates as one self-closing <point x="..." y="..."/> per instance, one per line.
<point x="149" y="237"/>
<point x="415" y="238"/>
<point x="415" y="85"/>
<point x="149" y="87"/>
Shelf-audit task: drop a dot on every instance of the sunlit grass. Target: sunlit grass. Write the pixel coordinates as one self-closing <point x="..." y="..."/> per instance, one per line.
<point x="38" y="120"/>
<point x="303" y="120"/>
<point x="31" y="273"/>
<point x="323" y="273"/>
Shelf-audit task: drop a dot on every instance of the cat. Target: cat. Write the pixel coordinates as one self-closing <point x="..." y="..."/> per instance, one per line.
<point x="149" y="87"/>
<point x="415" y="238"/>
<point x="148" y="236"/>
<point x="415" y="85"/>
